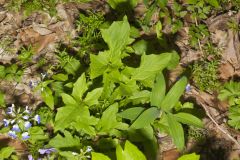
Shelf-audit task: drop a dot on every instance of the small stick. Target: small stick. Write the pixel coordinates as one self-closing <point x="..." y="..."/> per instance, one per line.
<point x="219" y="127"/>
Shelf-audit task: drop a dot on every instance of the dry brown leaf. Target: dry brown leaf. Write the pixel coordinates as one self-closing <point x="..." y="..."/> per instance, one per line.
<point x="41" y="29"/>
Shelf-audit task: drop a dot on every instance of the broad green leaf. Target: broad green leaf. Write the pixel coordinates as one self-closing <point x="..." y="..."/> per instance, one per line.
<point x="158" y="91"/>
<point x="176" y="131"/>
<point x="79" y="87"/>
<point x="151" y="65"/>
<point x="67" y="115"/>
<point x="99" y="156"/>
<point x="2" y="100"/>
<point x="192" y="1"/>
<point x="117" y="35"/>
<point x="72" y="66"/>
<point x="6" y="152"/>
<point x="2" y="71"/>
<point x="37" y="134"/>
<point x="140" y="47"/>
<point x="93" y="96"/>
<point x="172" y="97"/>
<point x="162" y="3"/>
<point x="174" y="60"/>
<point x="68" y="141"/>
<point x="99" y="64"/>
<point x="85" y="123"/>
<point x="120" y="153"/>
<point x="188" y="119"/>
<point x="131" y="113"/>
<point x="108" y="120"/>
<point x="131" y="152"/>
<point x="115" y="3"/>
<point x="60" y="77"/>
<point x="68" y="155"/>
<point x="68" y="100"/>
<point x="214" y="3"/>
<point x="146" y="118"/>
<point x="159" y="29"/>
<point x="48" y="97"/>
<point x="192" y="156"/>
<point x="140" y="97"/>
<point x="234" y="117"/>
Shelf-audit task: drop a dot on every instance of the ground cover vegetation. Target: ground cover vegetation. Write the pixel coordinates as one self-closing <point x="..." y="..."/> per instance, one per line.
<point x="119" y="80"/>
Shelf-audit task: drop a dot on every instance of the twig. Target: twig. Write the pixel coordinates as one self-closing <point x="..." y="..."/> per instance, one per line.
<point x="219" y="127"/>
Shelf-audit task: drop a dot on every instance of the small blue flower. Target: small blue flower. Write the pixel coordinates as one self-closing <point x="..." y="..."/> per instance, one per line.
<point x="188" y="88"/>
<point x="12" y="134"/>
<point x="47" y="151"/>
<point x="6" y="122"/>
<point x="32" y="84"/>
<point x="10" y="110"/>
<point x="25" y="136"/>
<point x="37" y="118"/>
<point x="30" y="157"/>
<point x="89" y="149"/>
<point x="25" y="117"/>
<point x="27" y="125"/>
<point x="16" y="128"/>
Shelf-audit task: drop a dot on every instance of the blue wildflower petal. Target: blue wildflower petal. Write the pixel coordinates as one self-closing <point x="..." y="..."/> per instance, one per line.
<point x="30" y="157"/>
<point x="89" y="149"/>
<point x="10" y="110"/>
<point x="25" y="117"/>
<point x="12" y="134"/>
<point x="25" y="136"/>
<point x="47" y="151"/>
<point x="188" y="88"/>
<point x="6" y="122"/>
<point x="27" y="125"/>
<point x="16" y="128"/>
<point x="37" y="118"/>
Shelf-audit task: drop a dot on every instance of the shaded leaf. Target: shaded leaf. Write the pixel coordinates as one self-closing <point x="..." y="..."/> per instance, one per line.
<point x="192" y="156"/>
<point x="188" y="119"/>
<point x="131" y="113"/>
<point x="59" y="142"/>
<point x="146" y="118"/>
<point x="99" y="156"/>
<point x="176" y="131"/>
<point x="151" y="65"/>
<point x="172" y="97"/>
<point x="67" y="115"/>
<point x="158" y="91"/>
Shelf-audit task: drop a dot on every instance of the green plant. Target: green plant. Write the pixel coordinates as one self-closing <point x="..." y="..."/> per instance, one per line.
<point x="5" y="45"/>
<point x="25" y="55"/>
<point x="231" y="92"/>
<point x="207" y="80"/>
<point x="90" y="36"/>
<point x="192" y="156"/>
<point x="67" y="62"/>
<point x="200" y="9"/>
<point x="197" y="33"/>
<point x="7" y="152"/>
<point x="11" y="73"/>
<point x="233" y="25"/>
<point x="112" y="101"/>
